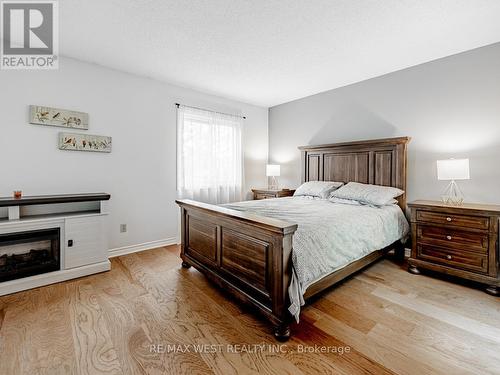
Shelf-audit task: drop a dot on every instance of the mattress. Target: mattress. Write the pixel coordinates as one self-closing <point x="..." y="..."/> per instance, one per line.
<point x="329" y="236"/>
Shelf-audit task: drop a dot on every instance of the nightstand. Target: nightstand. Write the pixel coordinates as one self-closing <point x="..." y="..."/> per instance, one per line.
<point x="270" y="193"/>
<point x="456" y="240"/>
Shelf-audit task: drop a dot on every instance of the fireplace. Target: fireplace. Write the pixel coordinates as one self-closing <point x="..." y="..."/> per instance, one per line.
<point x="30" y="253"/>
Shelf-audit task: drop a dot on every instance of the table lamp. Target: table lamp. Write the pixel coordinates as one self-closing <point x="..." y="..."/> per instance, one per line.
<point x="273" y="171"/>
<point x="452" y="170"/>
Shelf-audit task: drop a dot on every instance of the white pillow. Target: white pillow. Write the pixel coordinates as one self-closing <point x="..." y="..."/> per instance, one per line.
<point x="320" y="189"/>
<point x="368" y="194"/>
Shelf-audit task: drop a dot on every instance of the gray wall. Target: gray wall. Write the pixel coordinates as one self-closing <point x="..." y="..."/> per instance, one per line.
<point x="450" y="107"/>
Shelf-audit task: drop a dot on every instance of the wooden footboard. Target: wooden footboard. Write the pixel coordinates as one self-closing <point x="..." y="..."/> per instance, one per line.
<point x="247" y="255"/>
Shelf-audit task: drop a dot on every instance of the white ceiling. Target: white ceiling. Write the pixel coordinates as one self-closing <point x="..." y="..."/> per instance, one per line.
<point x="268" y="52"/>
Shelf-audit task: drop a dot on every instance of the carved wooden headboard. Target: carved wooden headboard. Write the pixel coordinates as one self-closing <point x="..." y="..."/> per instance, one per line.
<point x="379" y="162"/>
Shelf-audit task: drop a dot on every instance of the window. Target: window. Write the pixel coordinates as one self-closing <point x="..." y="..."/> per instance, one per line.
<point x="209" y="156"/>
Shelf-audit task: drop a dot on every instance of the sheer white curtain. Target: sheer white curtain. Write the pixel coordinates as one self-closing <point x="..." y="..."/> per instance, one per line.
<point x="209" y="156"/>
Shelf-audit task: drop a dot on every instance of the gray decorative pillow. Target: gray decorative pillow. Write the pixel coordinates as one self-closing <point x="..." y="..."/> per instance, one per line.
<point x="368" y="194"/>
<point x="320" y="189"/>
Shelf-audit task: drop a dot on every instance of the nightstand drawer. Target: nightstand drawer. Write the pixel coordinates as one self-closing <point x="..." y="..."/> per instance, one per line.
<point x="453" y="258"/>
<point x="269" y="193"/>
<point x="448" y="237"/>
<point x="476" y="222"/>
<point x="264" y="196"/>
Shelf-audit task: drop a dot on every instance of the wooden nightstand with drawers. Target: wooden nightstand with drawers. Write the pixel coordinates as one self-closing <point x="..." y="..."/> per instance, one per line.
<point x="456" y="240"/>
<point x="270" y="193"/>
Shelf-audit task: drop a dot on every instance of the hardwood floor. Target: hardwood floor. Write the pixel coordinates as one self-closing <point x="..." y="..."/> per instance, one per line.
<point x="116" y="322"/>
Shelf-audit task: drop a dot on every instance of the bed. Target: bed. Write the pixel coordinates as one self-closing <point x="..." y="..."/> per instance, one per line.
<point x="246" y="248"/>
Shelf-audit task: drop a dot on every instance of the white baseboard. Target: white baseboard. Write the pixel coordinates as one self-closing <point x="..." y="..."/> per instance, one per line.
<point x="141" y="247"/>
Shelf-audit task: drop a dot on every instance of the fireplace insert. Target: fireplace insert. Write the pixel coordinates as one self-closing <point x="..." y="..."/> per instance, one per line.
<point x="30" y="253"/>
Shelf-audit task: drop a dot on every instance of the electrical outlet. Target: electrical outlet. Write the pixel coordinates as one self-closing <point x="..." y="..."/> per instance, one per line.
<point x="123" y="228"/>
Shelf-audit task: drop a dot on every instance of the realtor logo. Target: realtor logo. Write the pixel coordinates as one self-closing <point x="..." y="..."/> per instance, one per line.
<point x="30" y="37"/>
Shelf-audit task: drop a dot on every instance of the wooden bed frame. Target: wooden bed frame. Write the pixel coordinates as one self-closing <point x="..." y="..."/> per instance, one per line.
<point x="250" y="256"/>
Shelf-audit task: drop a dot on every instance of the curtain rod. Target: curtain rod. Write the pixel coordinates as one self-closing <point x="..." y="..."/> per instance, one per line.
<point x="203" y="109"/>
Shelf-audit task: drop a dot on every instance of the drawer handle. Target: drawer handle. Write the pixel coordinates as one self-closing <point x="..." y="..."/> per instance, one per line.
<point x="449" y="257"/>
<point x="448" y="238"/>
<point x="448" y="219"/>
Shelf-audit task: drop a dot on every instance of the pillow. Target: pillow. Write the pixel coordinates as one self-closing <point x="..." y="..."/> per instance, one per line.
<point x="320" y="189"/>
<point x="368" y="194"/>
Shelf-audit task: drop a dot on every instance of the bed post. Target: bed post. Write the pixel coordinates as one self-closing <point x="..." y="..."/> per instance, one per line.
<point x="184" y="264"/>
<point x="399" y="251"/>
<point x="282" y="275"/>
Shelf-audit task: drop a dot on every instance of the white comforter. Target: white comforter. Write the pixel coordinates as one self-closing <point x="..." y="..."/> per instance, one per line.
<point x="329" y="235"/>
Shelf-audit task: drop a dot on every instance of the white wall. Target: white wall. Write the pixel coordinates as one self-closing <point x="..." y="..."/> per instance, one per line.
<point x="139" y="114"/>
<point x="450" y="107"/>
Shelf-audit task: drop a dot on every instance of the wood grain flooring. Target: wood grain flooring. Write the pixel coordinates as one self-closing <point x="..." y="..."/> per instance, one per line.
<point x="125" y="321"/>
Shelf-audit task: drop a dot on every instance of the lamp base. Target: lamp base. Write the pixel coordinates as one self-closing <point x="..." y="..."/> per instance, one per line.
<point x="453" y="195"/>
<point x="274" y="184"/>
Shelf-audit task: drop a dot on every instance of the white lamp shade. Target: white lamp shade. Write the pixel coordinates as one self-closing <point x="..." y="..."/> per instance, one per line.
<point x="272" y="170"/>
<point x="453" y="169"/>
